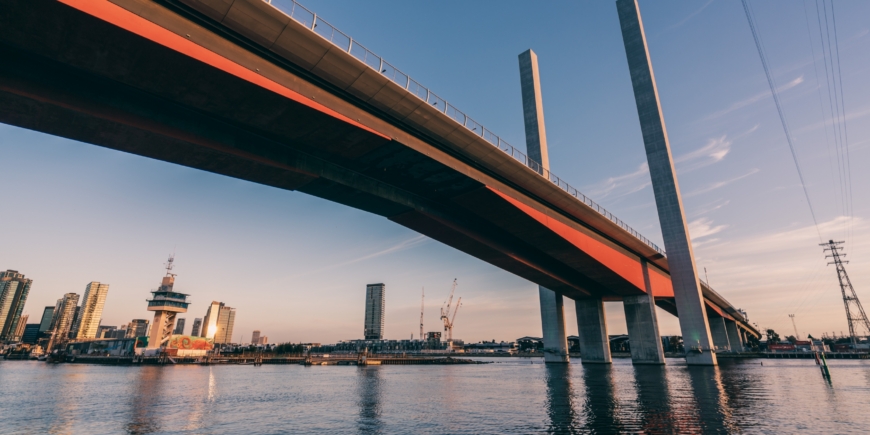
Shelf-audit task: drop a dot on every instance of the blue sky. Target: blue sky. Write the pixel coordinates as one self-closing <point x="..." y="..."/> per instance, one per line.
<point x="296" y="266"/>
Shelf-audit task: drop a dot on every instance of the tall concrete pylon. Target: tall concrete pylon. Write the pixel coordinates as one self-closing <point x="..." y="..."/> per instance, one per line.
<point x="681" y="259"/>
<point x="552" y="303"/>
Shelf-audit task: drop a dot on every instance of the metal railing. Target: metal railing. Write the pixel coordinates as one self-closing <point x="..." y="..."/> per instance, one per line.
<point x="327" y="31"/>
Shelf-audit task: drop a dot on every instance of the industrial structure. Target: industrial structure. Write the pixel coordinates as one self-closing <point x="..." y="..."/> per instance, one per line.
<point x="373" y="328"/>
<point x="326" y="116"/>
<point x="446" y="315"/>
<point x="855" y="315"/>
<point x="166" y="304"/>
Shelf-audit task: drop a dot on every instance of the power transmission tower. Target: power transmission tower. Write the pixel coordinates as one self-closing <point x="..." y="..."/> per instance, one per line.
<point x="854" y="311"/>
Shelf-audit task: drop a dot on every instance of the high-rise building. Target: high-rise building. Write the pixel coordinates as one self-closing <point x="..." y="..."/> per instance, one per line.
<point x="103" y="331"/>
<point x="31" y="333"/>
<point x="61" y="323"/>
<point x="255" y="337"/>
<point x="75" y="323"/>
<point x="197" y="325"/>
<point x="374" y="321"/>
<point x="91" y="310"/>
<point x="19" y="330"/>
<point x="166" y="304"/>
<point x="45" y="322"/>
<point x="263" y="340"/>
<point x="14" y="289"/>
<point x="225" y="322"/>
<point x="137" y="328"/>
<point x="179" y="327"/>
<point x="209" y="323"/>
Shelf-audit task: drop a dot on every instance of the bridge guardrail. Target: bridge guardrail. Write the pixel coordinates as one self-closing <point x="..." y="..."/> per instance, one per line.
<point x="321" y="27"/>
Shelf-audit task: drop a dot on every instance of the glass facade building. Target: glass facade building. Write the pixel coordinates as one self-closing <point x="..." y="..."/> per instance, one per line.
<point x="375" y="303"/>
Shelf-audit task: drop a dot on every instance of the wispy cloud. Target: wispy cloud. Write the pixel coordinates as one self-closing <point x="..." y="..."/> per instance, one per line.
<point x="719" y="184"/>
<point x="753" y="99"/>
<point x="704" y="227"/>
<point x="621" y="185"/>
<point x="690" y="16"/>
<point x="710" y="207"/>
<point x="714" y="151"/>
<point x="400" y="246"/>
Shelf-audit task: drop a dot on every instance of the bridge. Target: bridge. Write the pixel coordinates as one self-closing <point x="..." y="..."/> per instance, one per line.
<point x="274" y="94"/>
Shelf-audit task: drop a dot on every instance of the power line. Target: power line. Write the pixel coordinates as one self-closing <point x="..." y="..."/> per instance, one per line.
<point x="785" y="128"/>
<point x="843" y="111"/>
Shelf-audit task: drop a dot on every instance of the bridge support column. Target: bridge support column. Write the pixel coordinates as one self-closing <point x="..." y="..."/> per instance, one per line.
<point x="592" y="330"/>
<point x="720" y="334"/>
<point x="681" y="259"/>
<point x="553" y="326"/>
<point x="734" y="339"/>
<point x="643" y="325"/>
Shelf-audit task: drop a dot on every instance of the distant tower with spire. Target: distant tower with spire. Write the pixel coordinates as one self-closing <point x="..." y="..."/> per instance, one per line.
<point x="166" y="304"/>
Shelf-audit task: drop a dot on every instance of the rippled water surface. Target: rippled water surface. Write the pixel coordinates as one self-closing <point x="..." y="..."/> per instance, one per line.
<point x="509" y="396"/>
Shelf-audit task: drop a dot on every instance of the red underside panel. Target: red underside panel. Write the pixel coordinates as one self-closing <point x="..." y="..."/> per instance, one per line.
<point x="627" y="266"/>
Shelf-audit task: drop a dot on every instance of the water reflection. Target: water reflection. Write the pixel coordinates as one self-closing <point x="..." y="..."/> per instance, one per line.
<point x="713" y="408"/>
<point x="600" y="409"/>
<point x="369" y="393"/>
<point x="144" y="398"/>
<point x="654" y="399"/>
<point x="560" y="398"/>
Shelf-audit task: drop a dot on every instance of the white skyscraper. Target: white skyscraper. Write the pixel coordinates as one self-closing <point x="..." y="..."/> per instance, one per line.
<point x="374" y="321"/>
<point x="91" y="310"/>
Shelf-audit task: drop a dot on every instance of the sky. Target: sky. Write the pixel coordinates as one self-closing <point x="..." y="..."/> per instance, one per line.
<point x="295" y="266"/>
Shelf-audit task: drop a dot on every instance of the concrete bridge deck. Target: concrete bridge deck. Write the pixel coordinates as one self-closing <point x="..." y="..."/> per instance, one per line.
<point x="240" y="88"/>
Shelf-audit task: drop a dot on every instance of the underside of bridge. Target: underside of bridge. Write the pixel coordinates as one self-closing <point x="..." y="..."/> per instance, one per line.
<point x="166" y="81"/>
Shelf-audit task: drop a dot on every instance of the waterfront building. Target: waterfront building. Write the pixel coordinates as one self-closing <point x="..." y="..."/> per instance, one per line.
<point x="225" y="322"/>
<point x="14" y="288"/>
<point x="91" y="310"/>
<point x="45" y="322"/>
<point x="209" y="323"/>
<point x="63" y="318"/>
<point x="197" y="325"/>
<point x="137" y="328"/>
<point x="19" y="330"/>
<point x="255" y="337"/>
<point x="103" y="330"/>
<point x="75" y="322"/>
<point x="31" y="333"/>
<point x="179" y="327"/>
<point x="374" y="320"/>
<point x="218" y="323"/>
<point x="166" y="304"/>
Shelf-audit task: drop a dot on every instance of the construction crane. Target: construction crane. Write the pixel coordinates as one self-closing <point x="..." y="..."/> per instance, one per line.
<point x="446" y="317"/>
<point x="422" y="300"/>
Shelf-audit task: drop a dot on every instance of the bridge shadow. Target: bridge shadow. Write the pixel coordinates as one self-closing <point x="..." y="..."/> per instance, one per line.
<point x="600" y="408"/>
<point x="368" y="388"/>
<point x="713" y="409"/>
<point x="560" y="399"/>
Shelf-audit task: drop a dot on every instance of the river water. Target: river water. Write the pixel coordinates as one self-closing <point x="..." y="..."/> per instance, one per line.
<point x="509" y="396"/>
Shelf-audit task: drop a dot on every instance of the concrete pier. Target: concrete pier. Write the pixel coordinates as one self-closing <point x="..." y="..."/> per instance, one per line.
<point x="681" y="259"/>
<point x="552" y="312"/>
<point x="553" y="326"/>
<point x="643" y="326"/>
<point x="735" y="341"/>
<point x="592" y="330"/>
<point x="720" y="335"/>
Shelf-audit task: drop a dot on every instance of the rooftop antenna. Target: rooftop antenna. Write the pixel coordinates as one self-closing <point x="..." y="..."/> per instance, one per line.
<point x="169" y="264"/>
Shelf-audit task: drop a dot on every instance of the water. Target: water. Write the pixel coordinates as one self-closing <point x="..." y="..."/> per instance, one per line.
<point x="512" y="395"/>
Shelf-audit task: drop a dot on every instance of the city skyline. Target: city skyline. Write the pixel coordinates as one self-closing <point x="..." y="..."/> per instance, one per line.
<point x="749" y="223"/>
